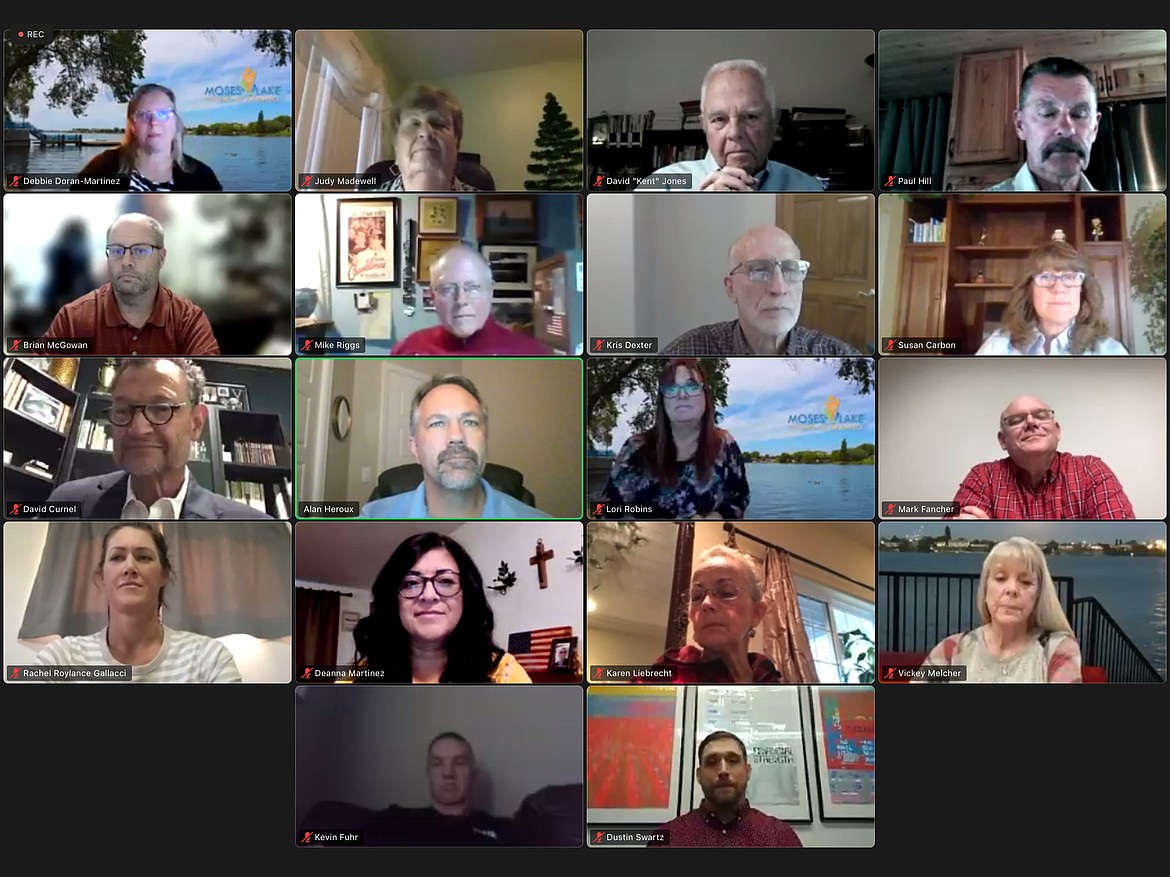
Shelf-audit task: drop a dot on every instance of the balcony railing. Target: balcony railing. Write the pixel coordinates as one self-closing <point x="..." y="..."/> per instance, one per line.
<point x="915" y="611"/>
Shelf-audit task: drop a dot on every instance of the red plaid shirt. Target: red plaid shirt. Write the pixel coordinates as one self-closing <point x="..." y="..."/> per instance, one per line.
<point x="691" y="669"/>
<point x="1074" y="488"/>
<point x="751" y="828"/>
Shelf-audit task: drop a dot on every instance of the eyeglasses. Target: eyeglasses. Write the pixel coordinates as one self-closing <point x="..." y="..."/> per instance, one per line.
<point x="144" y="116"/>
<point x="471" y="291"/>
<point x="672" y="391"/>
<point x="446" y="582"/>
<point x="138" y="251"/>
<point x="158" y="413"/>
<point x="762" y="271"/>
<point x="1041" y="414"/>
<point x="724" y="594"/>
<point x="1068" y="278"/>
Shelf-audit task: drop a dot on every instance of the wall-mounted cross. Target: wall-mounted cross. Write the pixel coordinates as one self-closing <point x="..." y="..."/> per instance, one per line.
<point x="539" y="561"/>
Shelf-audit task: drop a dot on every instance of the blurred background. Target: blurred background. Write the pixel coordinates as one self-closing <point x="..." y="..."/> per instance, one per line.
<point x="229" y="254"/>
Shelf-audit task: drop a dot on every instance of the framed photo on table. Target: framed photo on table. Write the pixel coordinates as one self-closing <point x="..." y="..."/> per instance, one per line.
<point x="560" y="655"/>
<point x="438" y="215"/>
<point x="843" y="719"/>
<point x="367" y="242"/>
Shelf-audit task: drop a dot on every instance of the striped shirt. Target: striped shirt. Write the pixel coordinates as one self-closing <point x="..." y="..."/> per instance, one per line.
<point x="1075" y="488"/>
<point x="139" y="183"/>
<point x="727" y="339"/>
<point x="396" y="185"/>
<point x="184" y="657"/>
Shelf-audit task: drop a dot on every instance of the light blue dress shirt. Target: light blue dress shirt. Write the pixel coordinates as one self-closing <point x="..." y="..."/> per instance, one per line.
<point x="1024" y="181"/>
<point x="413" y="505"/>
<point x="775" y="177"/>
<point x="1000" y="344"/>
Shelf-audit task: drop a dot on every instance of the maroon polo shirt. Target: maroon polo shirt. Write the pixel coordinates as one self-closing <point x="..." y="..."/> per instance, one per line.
<point x="176" y="326"/>
<point x="750" y="828"/>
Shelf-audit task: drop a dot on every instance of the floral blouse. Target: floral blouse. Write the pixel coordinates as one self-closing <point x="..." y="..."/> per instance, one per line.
<point x="726" y="493"/>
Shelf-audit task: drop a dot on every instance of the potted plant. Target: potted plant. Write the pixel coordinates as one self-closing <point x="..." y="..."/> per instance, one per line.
<point x="1147" y="271"/>
<point x="864" y="658"/>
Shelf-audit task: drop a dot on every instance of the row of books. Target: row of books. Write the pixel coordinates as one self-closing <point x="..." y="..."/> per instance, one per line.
<point x="932" y="232"/>
<point x="251" y="493"/>
<point x="669" y="154"/>
<point x="35" y="403"/>
<point x="256" y="453"/>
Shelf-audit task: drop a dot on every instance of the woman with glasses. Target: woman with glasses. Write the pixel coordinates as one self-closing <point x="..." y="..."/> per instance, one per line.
<point x="1056" y="309"/>
<point x="132" y="575"/>
<point x="150" y="157"/>
<point x="684" y="466"/>
<point x="1024" y="635"/>
<point x="726" y="606"/>
<point x="430" y="620"/>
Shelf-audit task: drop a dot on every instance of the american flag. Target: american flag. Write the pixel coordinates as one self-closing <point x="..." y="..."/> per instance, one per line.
<point x="533" y="647"/>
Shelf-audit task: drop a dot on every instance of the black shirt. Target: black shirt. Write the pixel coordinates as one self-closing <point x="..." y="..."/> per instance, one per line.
<point x="424" y="827"/>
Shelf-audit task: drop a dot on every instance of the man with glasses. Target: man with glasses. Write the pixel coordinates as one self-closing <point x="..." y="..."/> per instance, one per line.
<point x="155" y="415"/>
<point x="1036" y="482"/>
<point x="448" y="438"/>
<point x="738" y="107"/>
<point x="1057" y="119"/>
<point x="462" y="284"/>
<point x="133" y="315"/>
<point x="765" y="282"/>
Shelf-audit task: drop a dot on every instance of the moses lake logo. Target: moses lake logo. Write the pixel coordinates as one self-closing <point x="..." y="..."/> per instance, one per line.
<point x="829" y="417"/>
<point x="246" y="90"/>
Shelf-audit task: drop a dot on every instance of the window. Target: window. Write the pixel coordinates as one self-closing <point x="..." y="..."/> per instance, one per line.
<point x="827" y="614"/>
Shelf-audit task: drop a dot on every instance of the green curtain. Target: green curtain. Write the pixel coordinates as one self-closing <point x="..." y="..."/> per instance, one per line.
<point x="914" y="138"/>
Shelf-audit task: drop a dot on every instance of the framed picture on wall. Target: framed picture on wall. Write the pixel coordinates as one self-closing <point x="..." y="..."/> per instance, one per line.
<point x="367" y="245"/>
<point x="633" y="744"/>
<point x="233" y="397"/>
<point x="770" y="722"/>
<point x="513" y="268"/>
<point x="513" y="313"/>
<point x="438" y="215"/>
<point x="429" y="249"/>
<point x="843" y="717"/>
<point x="506" y="219"/>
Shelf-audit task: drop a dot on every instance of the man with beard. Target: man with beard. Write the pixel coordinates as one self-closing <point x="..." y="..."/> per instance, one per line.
<point x="155" y="415"/>
<point x="448" y="438"/>
<point x="725" y="818"/>
<point x="1036" y="482"/>
<point x="1057" y="120"/>
<point x="133" y="315"/>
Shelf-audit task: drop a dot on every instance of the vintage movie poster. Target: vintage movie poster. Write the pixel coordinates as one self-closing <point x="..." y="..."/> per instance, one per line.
<point x="367" y="249"/>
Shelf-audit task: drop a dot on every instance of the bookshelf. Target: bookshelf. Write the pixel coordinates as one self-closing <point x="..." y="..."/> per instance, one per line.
<point x="38" y="416"/>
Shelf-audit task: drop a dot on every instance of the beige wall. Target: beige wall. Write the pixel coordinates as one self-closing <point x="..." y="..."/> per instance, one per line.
<point x="535" y="425"/>
<point x="337" y="452"/>
<point x="604" y="646"/>
<point x="503" y="108"/>
<point x="891" y="225"/>
<point x="1134" y="204"/>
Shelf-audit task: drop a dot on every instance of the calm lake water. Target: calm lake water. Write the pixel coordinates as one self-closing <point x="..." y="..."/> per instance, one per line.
<point x="1131" y="589"/>
<point x="242" y="164"/>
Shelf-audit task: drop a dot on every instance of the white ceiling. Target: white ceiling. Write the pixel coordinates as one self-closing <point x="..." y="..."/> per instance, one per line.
<point x="350" y="554"/>
<point x="921" y="63"/>
<point x="419" y="56"/>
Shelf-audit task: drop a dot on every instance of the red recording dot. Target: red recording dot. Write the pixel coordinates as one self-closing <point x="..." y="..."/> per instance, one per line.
<point x="20" y="33"/>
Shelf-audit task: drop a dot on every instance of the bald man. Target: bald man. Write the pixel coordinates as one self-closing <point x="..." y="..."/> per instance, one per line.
<point x="1036" y="482"/>
<point x="133" y="315"/>
<point x="462" y="283"/>
<point x="765" y="282"/>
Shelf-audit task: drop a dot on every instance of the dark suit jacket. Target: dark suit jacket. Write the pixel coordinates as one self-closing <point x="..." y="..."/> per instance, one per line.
<point x="103" y="496"/>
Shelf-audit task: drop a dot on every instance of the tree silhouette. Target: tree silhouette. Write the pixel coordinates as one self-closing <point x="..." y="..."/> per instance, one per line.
<point x="556" y="161"/>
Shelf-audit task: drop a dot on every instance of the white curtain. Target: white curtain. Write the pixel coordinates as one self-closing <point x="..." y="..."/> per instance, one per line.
<point x="343" y="105"/>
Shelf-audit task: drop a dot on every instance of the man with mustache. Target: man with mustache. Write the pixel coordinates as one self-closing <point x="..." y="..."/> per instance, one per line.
<point x="462" y="282"/>
<point x="765" y="282"/>
<point x="155" y="415"/>
<point x="724" y="818"/>
<point x="448" y="438"/>
<point x="1036" y="482"/>
<point x="133" y="315"/>
<point x="1057" y="119"/>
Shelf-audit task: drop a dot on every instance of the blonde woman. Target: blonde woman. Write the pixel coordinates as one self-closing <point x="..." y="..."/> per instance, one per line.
<point x="150" y="157"/>
<point x="1025" y="636"/>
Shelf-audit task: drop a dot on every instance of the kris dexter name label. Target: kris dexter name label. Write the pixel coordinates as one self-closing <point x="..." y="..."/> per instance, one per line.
<point x="623" y="345"/>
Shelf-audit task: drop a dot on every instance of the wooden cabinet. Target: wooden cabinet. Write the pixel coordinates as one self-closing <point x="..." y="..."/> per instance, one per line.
<point x="835" y="234"/>
<point x="958" y="288"/>
<point x="556" y="300"/>
<point x="1133" y="78"/>
<point x="986" y="91"/>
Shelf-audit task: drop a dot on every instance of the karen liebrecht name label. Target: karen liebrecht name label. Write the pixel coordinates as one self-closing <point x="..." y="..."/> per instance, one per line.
<point x="339" y="181"/>
<point x="917" y="509"/>
<point x="328" y="509"/>
<point x="631" y="672"/>
<point x="64" y="673"/>
<point x="653" y="181"/>
<point x="920" y="345"/>
<point x="625" y="837"/>
<point x="918" y="673"/>
<point x="43" y="510"/>
<point x="53" y="345"/>
<point x="623" y="345"/>
<point x="310" y="346"/>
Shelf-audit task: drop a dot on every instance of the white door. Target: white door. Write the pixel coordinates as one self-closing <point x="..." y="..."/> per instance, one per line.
<point x="398" y="387"/>
<point x="314" y="383"/>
